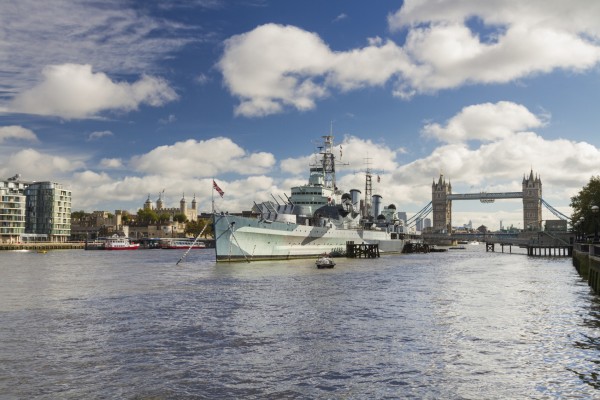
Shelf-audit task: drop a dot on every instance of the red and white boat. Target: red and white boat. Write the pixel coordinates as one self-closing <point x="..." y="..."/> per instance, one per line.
<point x="119" y="243"/>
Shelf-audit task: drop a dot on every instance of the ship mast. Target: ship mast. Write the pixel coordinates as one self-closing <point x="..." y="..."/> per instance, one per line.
<point x="328" y="162"/>
<point x="368" y="188"/>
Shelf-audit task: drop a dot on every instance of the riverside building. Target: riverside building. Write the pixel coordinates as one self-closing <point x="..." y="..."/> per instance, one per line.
<point x="48" y="215"/>
<point x="12" y="209"/>
<point x="34" y="211"/>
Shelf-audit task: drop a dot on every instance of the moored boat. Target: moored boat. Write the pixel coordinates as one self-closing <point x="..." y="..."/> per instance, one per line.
<point x="119" y="243"/>
<point x="317" y="218"/>
<point x="181" y="243"/>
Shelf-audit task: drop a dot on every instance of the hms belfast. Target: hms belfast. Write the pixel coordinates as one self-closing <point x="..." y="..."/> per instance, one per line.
<point x="316" y="219"/>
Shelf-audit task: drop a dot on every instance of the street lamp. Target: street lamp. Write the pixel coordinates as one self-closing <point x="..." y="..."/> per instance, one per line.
<point x="595" y="210"/>
<point x="581" y="221"/>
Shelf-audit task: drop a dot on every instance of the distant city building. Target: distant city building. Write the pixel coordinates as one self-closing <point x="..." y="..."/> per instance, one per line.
<point x="423" y="224"/>
<point x="48" y="212"/>
<point x="12" y="209"/>
<point x="402" y="216"/>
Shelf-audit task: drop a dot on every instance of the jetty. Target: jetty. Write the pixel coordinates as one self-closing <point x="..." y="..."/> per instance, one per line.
<point x="42" y="246"/>
<point x="361" y="250"/>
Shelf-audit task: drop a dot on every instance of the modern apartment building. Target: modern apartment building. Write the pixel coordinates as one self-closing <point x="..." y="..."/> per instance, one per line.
<point x="48" y="212"/>
<point x="12" y="209"/>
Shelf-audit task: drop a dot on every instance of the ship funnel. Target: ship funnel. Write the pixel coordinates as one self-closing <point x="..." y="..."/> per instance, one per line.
<point x="377" y="207"/>
<point x="355" y="195"/>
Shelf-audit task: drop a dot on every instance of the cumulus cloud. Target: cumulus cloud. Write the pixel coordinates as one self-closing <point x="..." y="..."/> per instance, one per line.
<point x="484" y="122"/>
<point x="74" y="91"/>
<point x="274" y="67"/>
<point x="36" y="165"/>
<point x="524" y="38"/>
<point x="17" y="133"/>
<point x="115" y="37"/>
<point x="202" y="159"/>
<point x="99" y="134"/>
<point x="111" y="163"/>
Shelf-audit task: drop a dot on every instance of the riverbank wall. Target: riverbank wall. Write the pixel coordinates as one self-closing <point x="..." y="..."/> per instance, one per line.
<point x="586" y="260"/>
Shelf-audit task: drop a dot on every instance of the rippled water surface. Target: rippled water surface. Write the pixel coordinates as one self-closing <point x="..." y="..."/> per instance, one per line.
<point x="465" y="324"/>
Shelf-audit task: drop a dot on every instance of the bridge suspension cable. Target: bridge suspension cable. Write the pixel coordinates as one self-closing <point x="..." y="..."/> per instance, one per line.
<point x="555" y="211"/>
<point x="420" y="215"/>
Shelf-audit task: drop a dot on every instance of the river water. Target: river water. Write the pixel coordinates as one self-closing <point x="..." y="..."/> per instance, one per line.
<point x="465" y="324"/>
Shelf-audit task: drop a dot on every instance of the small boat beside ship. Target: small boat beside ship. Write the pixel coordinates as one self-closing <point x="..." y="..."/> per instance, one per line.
<point x="325" y="261"/>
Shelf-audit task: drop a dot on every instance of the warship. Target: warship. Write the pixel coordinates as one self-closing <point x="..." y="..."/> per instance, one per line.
<point x="316" y="219"/>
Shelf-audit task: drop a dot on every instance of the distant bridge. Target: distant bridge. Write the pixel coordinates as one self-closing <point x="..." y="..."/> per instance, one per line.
<point x="442" y="197"/>
<point x="426" y="211"/>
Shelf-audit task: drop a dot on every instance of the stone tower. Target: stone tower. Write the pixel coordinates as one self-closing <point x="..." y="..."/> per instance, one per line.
<point x="532" y="202"/>
<point x="148" y="204"/>
<point x="182" y="205"/>
<point x="442" y="207"/>
<point x="159" y="202"/>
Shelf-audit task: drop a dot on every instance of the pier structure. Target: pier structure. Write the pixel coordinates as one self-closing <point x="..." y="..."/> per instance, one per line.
<point x="361" y="250"/>
<point x="536" y="244"/>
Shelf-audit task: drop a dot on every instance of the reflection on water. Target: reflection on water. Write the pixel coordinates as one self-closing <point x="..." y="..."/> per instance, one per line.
<point x="461" y="324"/>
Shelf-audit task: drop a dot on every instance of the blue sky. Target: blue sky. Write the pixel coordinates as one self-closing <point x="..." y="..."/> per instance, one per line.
<point x="122" y="100"/>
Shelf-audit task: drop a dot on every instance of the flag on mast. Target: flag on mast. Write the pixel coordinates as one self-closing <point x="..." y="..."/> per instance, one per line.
<point x="218" y="189"/>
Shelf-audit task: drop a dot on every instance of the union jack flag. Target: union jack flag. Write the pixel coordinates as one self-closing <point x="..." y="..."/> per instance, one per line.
<point x="218" y="189"/>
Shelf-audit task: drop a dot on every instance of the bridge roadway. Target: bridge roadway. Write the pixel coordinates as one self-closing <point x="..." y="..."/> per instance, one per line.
<point x="485" y="196"/>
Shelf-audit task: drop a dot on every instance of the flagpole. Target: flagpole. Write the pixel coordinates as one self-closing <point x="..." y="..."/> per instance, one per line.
<point x="213" y="196"/>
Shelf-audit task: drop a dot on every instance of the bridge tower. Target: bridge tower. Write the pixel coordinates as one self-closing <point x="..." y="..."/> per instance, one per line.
<point x="532" y="202"/>
<point x="441" y="205"/>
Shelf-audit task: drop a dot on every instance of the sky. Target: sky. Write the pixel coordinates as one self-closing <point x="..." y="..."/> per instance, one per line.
<point x="125" y="100"/>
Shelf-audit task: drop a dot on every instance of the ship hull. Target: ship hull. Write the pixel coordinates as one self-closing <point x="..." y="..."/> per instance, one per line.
<point x="251" y="239"/>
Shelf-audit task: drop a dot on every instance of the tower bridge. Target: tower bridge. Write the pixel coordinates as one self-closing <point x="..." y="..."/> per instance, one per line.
<point x="442" y="197"/>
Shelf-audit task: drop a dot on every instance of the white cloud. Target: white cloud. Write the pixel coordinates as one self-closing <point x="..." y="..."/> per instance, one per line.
<point x="202" y="159"/>
<point x="484" y="122"/>
<point x="340" y="17"/>
<point x="111" y="35"/>
<point x="111" y="163"/>
<point x="16" y="132"/>
<point x="34" y="165"/>
<point x="73" y="91"/>
<point x="274" y="67"/>
<point x="99" y="134"/>
<point x="168" y="120"/>
<point x="527" y="38"/>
